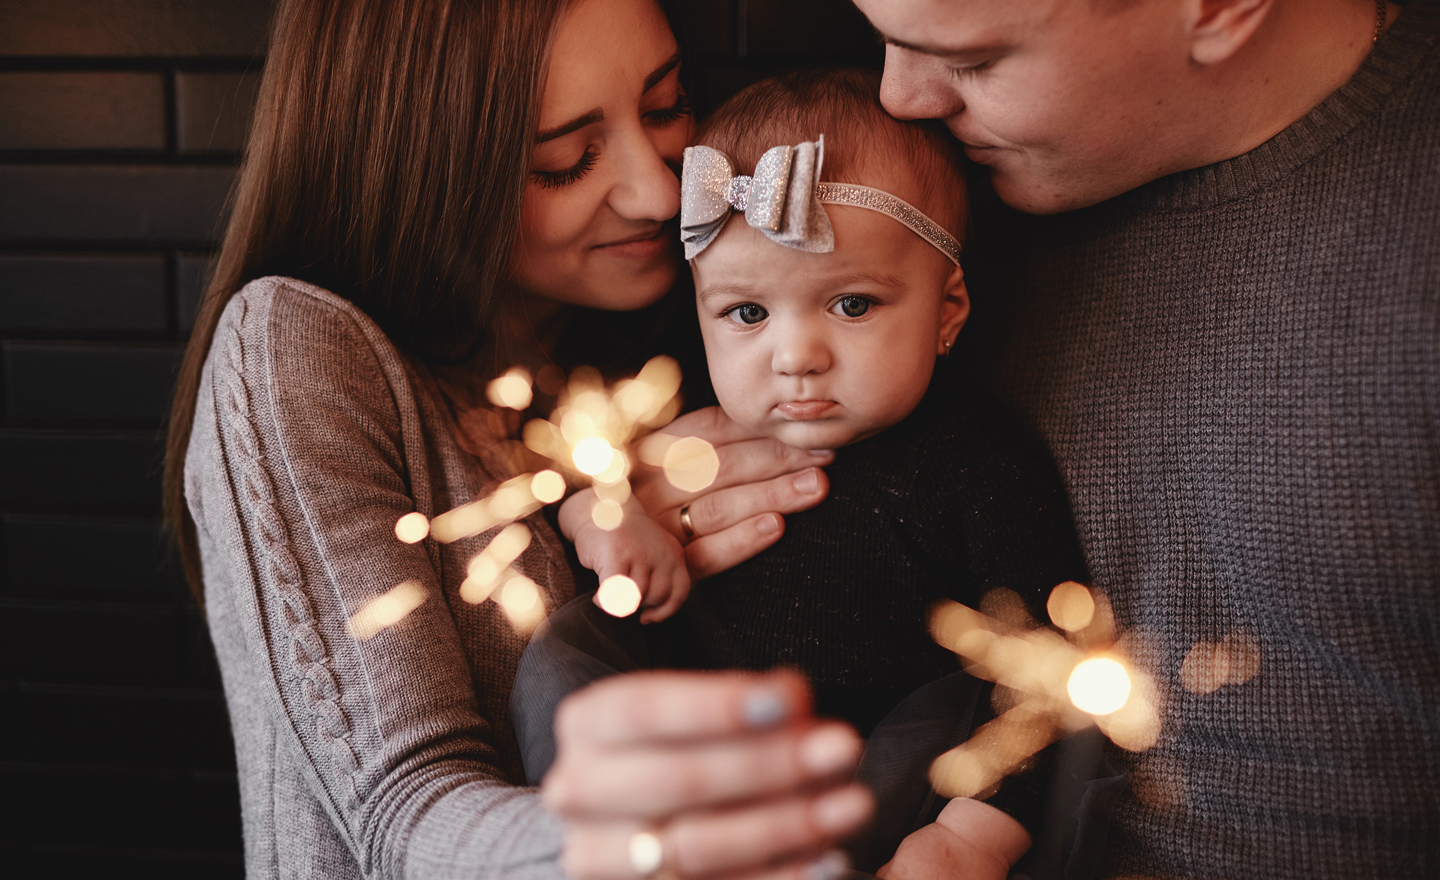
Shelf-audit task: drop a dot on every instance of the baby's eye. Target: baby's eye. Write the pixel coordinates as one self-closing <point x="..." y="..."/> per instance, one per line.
<point x="851" y="306"/>
<point x="749" y="313"/>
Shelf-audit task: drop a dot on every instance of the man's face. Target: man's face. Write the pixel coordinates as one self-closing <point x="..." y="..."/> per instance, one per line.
<point x="1069" y="102"/>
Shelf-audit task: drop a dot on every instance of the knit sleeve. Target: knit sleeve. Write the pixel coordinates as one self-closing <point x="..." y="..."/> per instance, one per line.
<point x="309" y="466"/>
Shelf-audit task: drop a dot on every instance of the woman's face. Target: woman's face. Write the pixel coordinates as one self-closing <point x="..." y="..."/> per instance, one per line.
<point x="613" y="127"/>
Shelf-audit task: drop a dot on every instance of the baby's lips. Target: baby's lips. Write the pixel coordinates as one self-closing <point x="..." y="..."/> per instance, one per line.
<point x="805" y="410"/>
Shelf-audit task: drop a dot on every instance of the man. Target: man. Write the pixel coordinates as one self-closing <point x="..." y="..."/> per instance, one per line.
<point x="1226" y="331"/>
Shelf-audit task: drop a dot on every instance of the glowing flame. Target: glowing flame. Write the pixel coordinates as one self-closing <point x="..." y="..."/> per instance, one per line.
<point x="511" y="390"/>
<point x="691" y="464"/>
<point x="592" y="455"/>
<point x="619" y="596"/>
<point x="412" y="527"/>
<point x="1099" y="686"/>
<point x="386" y="610"/>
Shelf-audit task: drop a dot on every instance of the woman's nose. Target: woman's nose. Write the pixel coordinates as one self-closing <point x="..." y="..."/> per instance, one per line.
<point x="648" y="188"/>
<point x="916" y="86"/>
<point x="799" y="352"/>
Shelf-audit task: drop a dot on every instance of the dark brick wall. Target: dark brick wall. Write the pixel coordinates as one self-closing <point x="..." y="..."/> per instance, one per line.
<point x="121" y="123"/>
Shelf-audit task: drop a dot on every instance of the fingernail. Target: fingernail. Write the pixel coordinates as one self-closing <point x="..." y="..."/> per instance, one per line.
<point x="828" y="751"/>
<point x="821" y="453"/>
<point x="767" y="525"/>
<point x="841" y="811"/>
<point x="807" y="483"/>
<point x="831" y="866"/>
<point x="765" y="707"/>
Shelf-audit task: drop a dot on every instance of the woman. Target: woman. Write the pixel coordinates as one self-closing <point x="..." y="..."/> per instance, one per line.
<point x="430" y="186"/>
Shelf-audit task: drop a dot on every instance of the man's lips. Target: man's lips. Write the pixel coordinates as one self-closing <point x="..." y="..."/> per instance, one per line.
<point x="805" y="410"/>
<point x="644" y="245"/>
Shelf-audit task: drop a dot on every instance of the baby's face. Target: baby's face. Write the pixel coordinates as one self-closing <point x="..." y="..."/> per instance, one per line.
<point x="821" y="350"/>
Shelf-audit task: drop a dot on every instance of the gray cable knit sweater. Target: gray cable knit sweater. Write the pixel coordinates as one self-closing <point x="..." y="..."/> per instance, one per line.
<point x="1237" y="369"/>
<point x="391" y="757"/>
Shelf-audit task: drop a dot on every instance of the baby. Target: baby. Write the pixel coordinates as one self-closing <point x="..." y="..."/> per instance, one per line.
<point x="823" y="236"/>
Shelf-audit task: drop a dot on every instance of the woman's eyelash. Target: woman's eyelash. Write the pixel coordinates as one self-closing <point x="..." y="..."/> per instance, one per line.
<point x="679" y="110"/>
<point x="553" y="179"/>
<point x="972" y="70"/>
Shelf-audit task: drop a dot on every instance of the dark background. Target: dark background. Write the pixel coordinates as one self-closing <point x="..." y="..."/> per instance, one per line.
<point x="121" y="123"/>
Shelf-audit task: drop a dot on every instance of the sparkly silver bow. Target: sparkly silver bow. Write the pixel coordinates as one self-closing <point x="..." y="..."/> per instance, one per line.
<point x="778" y="199"/>
<point x="784" y="199"/>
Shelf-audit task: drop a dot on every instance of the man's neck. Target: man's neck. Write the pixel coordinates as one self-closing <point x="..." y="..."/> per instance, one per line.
<point x="1299" y="56"/>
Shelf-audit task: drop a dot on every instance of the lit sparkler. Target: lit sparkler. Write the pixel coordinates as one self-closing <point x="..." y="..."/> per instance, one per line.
<point x="1047" y="684"/>
<point x="593" y="436"/>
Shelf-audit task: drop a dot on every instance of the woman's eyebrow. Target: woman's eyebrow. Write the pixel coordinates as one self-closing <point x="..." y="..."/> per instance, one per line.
<point x="662" y="71"/>
<point x="579" y="122"/>
<point x="598" y="115"/>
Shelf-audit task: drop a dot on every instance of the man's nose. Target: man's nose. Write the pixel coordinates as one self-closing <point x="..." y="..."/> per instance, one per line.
<point x="916" y="86"/>
<point x="801" y="351"/>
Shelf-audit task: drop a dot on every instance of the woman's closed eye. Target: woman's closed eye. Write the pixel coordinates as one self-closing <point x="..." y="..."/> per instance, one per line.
<point x="746" y="313"/>
<point x="675" y="112"/>
<point x="852" y="307"/>
<point x="567" y="176"/>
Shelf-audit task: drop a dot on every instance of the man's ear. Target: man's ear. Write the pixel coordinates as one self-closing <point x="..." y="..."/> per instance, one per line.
<point x="1218" y="28"/>
<point x="954" y="309"/>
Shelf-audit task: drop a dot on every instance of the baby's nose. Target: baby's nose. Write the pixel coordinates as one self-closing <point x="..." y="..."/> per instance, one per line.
<point x="801" y="353"/>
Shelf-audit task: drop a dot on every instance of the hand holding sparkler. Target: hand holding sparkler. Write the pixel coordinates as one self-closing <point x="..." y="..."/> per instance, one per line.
<point x="640" y="564"/>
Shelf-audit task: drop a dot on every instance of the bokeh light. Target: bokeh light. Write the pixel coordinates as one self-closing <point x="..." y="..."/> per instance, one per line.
<point x="412" y="527"/>
<point x="386" y="610"/>
<point x="1070" y="606"/>
<point x="691" y="464"/>
<point x="607" y="515"/>
<point x="1099" y="686"/>
<point x="618" y="596"/>
<point x="592" y="455"/>
<point x="547" y="487"/>
<point x="511" y="390"/>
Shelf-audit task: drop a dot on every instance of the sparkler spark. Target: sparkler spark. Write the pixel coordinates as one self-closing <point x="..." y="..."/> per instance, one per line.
<point x="589" y="436"/>
<point x="511" y="390"/>
<point x="619" y="596"/>
<point x="386" y="610"/>
<point x="691" y="464"/>
<point x="412" y="527"/>
<point x="1210" y="666"/>
<point x="1046" y="684"/>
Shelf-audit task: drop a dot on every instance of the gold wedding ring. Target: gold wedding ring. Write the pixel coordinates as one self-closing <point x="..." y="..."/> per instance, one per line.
<point x="647" y="852"/>
<point x="686" y="524"/>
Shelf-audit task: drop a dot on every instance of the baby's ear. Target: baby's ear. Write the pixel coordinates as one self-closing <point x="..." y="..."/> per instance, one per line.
<point x="954" y="309"/>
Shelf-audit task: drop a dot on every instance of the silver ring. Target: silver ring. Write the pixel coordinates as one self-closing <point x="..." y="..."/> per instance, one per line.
<point x="686" y="524"/>
<point x="647" y="853"/>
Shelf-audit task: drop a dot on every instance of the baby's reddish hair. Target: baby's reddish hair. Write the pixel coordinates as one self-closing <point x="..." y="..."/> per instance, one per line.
<point x="843" y="104"/>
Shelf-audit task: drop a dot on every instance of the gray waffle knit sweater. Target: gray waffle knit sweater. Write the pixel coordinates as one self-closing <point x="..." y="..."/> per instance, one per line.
<point x="391" y="757"/>
<point x="1236" y="369"/>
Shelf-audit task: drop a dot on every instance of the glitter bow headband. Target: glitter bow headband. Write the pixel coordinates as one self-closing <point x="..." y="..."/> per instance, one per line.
<point x="783" y="200"/>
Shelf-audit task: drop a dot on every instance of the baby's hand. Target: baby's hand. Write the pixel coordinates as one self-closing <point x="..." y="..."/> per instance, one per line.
<point x="637" y="548"/>
<point x="970" y="840"/>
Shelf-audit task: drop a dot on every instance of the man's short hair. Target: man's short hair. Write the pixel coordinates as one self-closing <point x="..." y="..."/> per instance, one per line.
<point x="843" y="104"/>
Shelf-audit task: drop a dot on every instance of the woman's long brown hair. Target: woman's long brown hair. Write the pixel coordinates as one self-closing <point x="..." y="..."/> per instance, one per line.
<point x="386" y="163"/>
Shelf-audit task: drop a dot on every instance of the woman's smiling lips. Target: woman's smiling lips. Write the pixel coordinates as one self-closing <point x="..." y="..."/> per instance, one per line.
<point x="643" y="246"/>
<point x="805" y="410"/>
